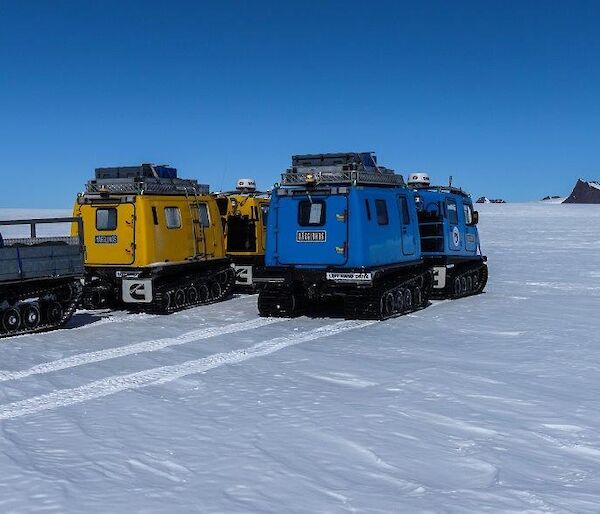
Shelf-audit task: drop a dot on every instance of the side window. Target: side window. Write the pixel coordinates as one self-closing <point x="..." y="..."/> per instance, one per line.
<point x="404" y="212"/>
<point x="368" y="209"/>
<point x="311" y="214"/>
<point x="468" y="213"/>
<point x="203" y="215"/>
<point x="265" y="214"/>
<point x="452" y="212"/>
<point x="106" y="219"/>
<point x="173" y="217"/>
<point x="382" y="212"/>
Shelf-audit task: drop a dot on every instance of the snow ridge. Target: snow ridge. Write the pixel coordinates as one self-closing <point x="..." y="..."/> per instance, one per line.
<point x="131" y="349"/>
<point x="164" y="374"/>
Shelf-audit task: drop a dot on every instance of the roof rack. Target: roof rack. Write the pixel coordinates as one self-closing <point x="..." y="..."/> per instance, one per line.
<point x="299" y="178"/>
<point x="442" y="189"/>
<point x="146" y="186"/>
<point x="339" y="168"/>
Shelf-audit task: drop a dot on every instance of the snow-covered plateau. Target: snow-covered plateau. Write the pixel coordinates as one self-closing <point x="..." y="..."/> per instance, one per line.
<point x="485" y="404"/>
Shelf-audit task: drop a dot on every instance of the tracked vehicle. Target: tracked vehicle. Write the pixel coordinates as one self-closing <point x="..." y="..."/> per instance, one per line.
<point x="244" y="215"/>
<point x="40" y="277"/>
<point x="154" y="241"/>
<point x="449" y="238"/>
<point x="343" y="232"/>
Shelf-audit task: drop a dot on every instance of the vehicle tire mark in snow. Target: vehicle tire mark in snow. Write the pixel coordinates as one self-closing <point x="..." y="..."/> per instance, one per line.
<point x="164" y="374"/>
<point x="131" y="349"/>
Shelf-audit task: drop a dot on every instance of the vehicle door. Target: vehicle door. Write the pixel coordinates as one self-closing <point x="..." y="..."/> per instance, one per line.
<point x="109" y="233"/>
<point x="407" y="226"/>
<point x="455" y="235"/>
<point x="313" y="230"/>
<point x="205" y="229"/>
<point x="471" y="236"/>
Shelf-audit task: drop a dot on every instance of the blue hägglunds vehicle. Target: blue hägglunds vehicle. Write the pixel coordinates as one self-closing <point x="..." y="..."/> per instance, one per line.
<point x="449" y="238"/>
<point x="40" y="277"/>
<point x="343" y="230"/>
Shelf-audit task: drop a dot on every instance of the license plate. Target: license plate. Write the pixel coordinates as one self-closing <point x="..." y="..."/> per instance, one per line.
<point x="106" y="240"/>
<point x="311" y="236"/>
<point x="350" y="277"/>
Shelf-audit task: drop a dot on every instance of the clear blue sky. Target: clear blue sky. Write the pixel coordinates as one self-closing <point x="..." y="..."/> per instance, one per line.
<point x="505" y="96"/>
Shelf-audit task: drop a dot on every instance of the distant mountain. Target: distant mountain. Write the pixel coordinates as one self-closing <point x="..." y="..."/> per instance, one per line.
<point x="485" y="199"/>
<point x="554" y="199"/>
<point x="585" y="192"/>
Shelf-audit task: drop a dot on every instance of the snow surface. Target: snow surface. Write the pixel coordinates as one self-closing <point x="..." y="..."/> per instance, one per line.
<point x="486" y="404"/>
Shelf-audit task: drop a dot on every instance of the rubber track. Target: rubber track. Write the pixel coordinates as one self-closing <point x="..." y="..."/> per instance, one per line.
<point x="448" y="291"/>
<point x="369" y="306"/>
<point x="164" y="295"/>
<point x="362" y="304"/>
<point x="69" y="307"/>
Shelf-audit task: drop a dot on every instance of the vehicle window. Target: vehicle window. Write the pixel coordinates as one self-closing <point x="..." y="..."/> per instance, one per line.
<point x="382" y="213"/>
<point x="154" y="215"/>
<point x="173" y="217"/>
<point x="223" y="204"/>
<point x="106" y="219"/>
<point x="368" y="209"/>
<point x="311" y="214"/>
<point x="265" y="214"/>
<point x="403" y="201"/>
<point x="452" y="212"/>
<point x="203" y="215"/>
<point x="468" y="214"/>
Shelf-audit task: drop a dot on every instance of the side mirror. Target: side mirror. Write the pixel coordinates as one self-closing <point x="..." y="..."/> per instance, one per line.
<point x="475" y="217"/>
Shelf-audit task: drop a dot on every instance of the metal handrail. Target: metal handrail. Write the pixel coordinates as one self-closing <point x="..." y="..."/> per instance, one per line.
<point x="46" y="221"/>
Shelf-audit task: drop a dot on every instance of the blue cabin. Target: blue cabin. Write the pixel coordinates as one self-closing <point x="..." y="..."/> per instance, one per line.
<point x="449" y="238"/>
<point x="448" y="224"/>
<point x="341" y="226"/>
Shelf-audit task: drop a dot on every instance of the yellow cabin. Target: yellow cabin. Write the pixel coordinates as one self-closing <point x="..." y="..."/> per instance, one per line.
<point x="152" y="240"/>
<point x="244" y="215"/>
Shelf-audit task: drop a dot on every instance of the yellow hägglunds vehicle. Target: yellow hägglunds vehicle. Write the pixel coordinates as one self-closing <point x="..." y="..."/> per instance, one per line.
<point x="244" y="215"/>
<point x="153" y="241"/>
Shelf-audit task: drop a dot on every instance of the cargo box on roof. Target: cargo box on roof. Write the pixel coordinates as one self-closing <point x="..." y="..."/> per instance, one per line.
<point x="143" y="171"/>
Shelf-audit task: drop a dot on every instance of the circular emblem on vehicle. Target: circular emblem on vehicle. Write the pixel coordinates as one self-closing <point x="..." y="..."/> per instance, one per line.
<point x="456" y="236"/>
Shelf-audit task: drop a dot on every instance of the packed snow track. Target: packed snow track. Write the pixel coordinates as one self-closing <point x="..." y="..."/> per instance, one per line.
<point x="485" y="404"/>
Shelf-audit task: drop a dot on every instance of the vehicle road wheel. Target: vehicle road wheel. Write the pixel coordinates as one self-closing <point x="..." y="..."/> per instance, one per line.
<point x="417" y="297"/>
<point x="11" y="319"/>
<point x="457" y="290"/>
<point x="215" y="289"/>
<point x="31" y="316"/>
<point x="203" y="293"/>
<point x="179" y="298"/>
<point x="389" y="303"/>
<point x="408" y="301"/>
<point x="399" y="301"/>
<point x="192" y="294"/>
<point x="54" y="312"/>
<point x="469" y="284"/>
